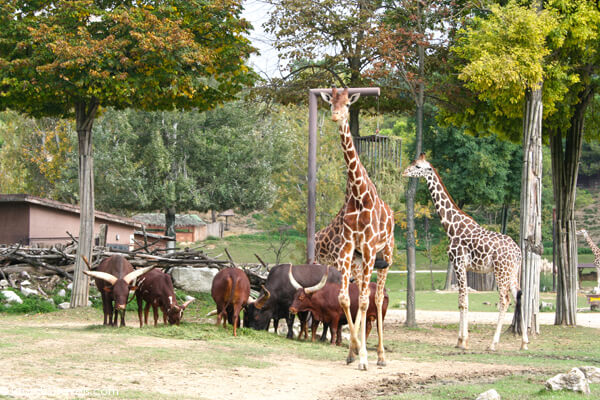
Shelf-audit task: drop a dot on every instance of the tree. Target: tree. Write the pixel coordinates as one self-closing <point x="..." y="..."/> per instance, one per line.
<point x="324" y="41"/>
<point x="65" y="58"/>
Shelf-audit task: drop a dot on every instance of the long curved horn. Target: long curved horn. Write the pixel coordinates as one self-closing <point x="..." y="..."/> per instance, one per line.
<point x="132" y="276"/>
<point x="210" y="314"/>
<point x="187" y="303"/>
<point x="319" y="285"/>
<point x="102" y="275"/>
<point x="260" y="302"/>
<point x="293" y="281"/>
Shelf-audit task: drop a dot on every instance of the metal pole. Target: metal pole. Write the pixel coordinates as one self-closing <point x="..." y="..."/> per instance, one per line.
<point x="312" y="162"/>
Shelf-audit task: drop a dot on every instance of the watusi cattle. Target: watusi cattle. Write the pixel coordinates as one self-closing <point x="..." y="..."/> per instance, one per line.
<point x="323" y="303"/>
<point x="156" y="289"/>
<point x="230" y="290"/>
<point x="114" y="279"/>
<point x="278" y="293"/>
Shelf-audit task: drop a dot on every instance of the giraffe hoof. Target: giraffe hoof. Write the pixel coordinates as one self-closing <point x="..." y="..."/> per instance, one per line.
<point x="350" y="359"/>
<point x="381" y="363"/>
<point x="491" y="347"/>
<point x="524" y="346"/>
<point x="362" y="367"/>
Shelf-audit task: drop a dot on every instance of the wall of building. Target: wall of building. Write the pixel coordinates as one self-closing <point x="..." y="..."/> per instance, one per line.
<point x="14" y="223"/>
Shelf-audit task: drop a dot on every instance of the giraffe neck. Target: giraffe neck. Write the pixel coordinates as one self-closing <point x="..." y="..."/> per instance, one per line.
<point x="358" y="180"/>
<point x="591" y="243"/>
<point x="446" y="208"/>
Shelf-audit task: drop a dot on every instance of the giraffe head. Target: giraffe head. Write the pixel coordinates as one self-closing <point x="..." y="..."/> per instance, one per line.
<point x="420" y="168"/>
<point x="582" y="232"/>
<point x="340" y="104"/>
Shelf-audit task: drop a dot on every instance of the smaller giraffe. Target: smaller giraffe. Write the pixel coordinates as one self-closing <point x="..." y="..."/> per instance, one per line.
<point x="595" y="250"/>
<point x="473" y="248"/>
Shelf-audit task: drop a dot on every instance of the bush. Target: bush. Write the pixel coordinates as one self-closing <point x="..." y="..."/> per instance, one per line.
<point x="31" y="305"/>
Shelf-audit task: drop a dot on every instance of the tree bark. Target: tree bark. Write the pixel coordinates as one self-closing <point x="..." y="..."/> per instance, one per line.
<point x="85" y="112"/>
<point x="565" y="166"/>
<point x="170" y="221"/>
<point x="530" y="240"/>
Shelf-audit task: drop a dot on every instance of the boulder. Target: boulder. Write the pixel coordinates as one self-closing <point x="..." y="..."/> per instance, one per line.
<point x="592" y="374"/>
<point x="575" y="380"/>
<point x="547" y="306"/>
<point x="25" y="282"/>
<point x="193" y="279"/>
<point x="28" y="292"/>
<point x="3" y="284"/>
<point x="11" y="297"/>
<point x="62" y="293"/>
<point x="64" y="306"/>
<point x="491" y="394"/>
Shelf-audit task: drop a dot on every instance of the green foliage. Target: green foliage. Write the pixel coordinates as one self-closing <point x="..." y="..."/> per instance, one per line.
<point x="55" y="54"/>
<point x="30" y="305"/>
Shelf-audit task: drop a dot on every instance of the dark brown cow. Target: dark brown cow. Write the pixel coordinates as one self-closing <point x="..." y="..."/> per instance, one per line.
<point x="324" y="305"/>
<point x="114" y="279"/>
<point x="156" y="289"/>
<point x="230" y="291"/>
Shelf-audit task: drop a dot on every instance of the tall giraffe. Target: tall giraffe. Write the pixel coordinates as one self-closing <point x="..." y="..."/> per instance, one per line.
<point x="359" y="238"/>
<point x="595" y="250"/>
<point x="473" y="248"/>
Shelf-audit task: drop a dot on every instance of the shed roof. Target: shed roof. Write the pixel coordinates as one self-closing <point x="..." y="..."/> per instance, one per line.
<point x="227" y="213"/>
<point x="26" y="198"/>
<point x="158" y="219"/>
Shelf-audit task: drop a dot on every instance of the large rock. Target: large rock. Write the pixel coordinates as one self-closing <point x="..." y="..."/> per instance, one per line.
<point x="592" y="374"/>
<point x="491" y="394"/>
<point x="11" y="297"/>
<point x="193" y="279"/>
<point x="28" y="292"/>
<point x="575" y="380"/>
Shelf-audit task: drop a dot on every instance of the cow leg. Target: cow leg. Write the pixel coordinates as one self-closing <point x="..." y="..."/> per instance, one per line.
<point x="155" y="314"/>
<point x="122" y="318"/>
<point x="290" y="324"/>
<point x="105" y="307"/>
<point x="139" y="304"/>
<point x="379" y="297"/>
<point x="303" y="318"/>
<point x="275" y="325"/>
<point x="338" y="339"/>
<point x="236" y="317"/>
<point x="164" y="312"/>
<point x="334" y="326"/>
<point x="313" y="327"/>
<point x="326" y="327"/>
<point x="146" y="312"/>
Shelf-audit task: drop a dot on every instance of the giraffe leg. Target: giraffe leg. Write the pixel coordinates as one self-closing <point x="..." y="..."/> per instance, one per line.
<point x="463" y="304"/>
<point x="344" y="265"/>
<point x="379" y="295"/>
<point x="504" y="301"/>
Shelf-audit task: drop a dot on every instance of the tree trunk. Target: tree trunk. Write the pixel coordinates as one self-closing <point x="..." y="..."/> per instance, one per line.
<point x="504" y="218"/>
<point x="213" y="216"/>
<point x="170" y="221"/>
<point x="449" y="276"/>
<point x="565" y="166"/>
<point x="84" y="115"/>
<point x="531" y="211"/>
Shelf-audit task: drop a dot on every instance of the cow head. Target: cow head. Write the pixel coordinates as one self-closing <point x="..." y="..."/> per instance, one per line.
<point x="119" y="287"/>
<point x="175" y="312"/>
<point x="258" y="313"/>
<point x="302" y="298"/>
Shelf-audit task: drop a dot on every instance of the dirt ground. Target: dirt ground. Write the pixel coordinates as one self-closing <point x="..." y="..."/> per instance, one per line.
<point x="60" y="372"/>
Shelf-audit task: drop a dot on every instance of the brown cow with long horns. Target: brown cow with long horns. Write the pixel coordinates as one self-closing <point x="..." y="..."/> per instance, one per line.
<point x="114" y="279"/>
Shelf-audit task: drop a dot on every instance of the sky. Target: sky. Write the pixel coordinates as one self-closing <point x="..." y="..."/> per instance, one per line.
<point x="267" y="63"/>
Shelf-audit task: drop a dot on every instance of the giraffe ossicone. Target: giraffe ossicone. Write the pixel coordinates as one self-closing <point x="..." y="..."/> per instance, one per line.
<point x="474" y="248"/>
<point x="360" y="234"/>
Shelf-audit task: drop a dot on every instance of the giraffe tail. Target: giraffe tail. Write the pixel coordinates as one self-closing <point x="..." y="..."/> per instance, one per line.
<point x="516" y="327"/>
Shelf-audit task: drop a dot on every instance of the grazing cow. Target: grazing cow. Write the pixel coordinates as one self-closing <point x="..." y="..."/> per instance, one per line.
<point x="156" y="289"/>
<point x="114" y="279"/>
<point x="230" y="291"/>
<point x="278" y="293"/>
<point x="324" y="305"/>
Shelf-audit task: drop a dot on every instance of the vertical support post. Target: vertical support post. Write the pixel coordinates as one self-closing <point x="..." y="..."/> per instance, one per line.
<point x="312" y="177"/>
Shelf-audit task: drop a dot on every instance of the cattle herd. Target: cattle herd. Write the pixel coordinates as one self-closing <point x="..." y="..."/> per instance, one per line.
<point x="308" y="290"/>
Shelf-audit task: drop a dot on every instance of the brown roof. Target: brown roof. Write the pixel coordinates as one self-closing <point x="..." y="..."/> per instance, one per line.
<point x="26" y="198"/>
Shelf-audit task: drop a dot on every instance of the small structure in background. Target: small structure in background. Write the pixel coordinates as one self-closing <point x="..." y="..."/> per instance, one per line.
<point x="376" y="151"/>
<point x="188" y="227"/>
<point x="227" y="214"/>
<point x="31" y="220"/>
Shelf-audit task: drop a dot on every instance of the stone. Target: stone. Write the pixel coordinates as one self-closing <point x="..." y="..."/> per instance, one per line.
<point x="575" y="380"/>
<point x="193" y="279"/>
<point x="596" y="290"/>
<point x="592" y="374"/>
<point x="546" y="306"/>
<point x="70" y="286"/>
<point x="25" y="283"/>
<point x="3" y="284"/>
<point x="28" y="292"/>
<point x="62" y="293"/>
<point x="11" y="297"/>
<point x="24" y="275"/>
<point x="491" y="394"/>
<point x="64" y="306"/>
<point x="51" y="301"/>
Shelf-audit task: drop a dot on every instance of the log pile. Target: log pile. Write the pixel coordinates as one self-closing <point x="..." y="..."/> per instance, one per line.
<point x="60" y="260"/>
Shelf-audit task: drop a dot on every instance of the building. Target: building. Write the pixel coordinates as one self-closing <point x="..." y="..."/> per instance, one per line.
<point x="33" y="220"/>
<point x="188" y="227"/>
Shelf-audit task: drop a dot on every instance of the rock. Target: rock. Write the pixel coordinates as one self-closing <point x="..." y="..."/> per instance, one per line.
<point x="62" y="293"/>
<point x="64" y="306"/>
<point x="575" y="380"/>
<point x="596" y="290"/>
<point x="24" y="275"/>
<point x="3" y="284"/>
<point x="592" y="374"/>
<point x="491" y="394"/>
<point x="89" y="303"/>
<point x="546" y="306"/>
<point x="51" y="301"/>
<point x="25" y="283"/>
<point x="70" y="286"/>
<point x="28" y="292"/>
<point x="11" y="297"/>
<point x="193" y="279"/>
